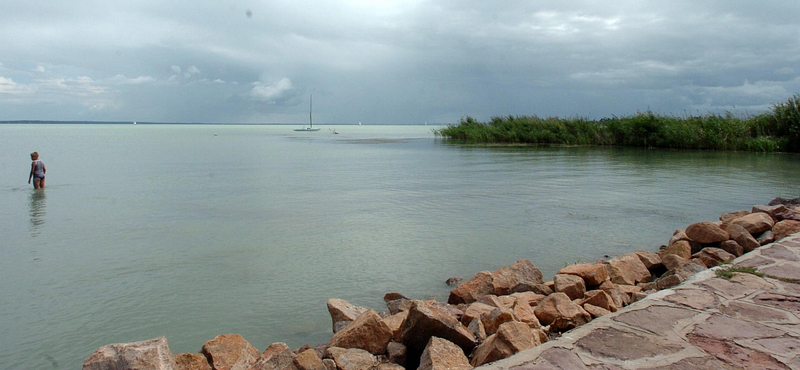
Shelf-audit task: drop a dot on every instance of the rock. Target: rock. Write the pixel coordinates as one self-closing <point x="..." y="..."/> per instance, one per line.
<point x="627" y="269"/>
<point x="692" y="267"/>
<point x="542" y="289"/>
<point x="153" y="354"/>
<point x="599" y="298"/>
<point x="351" y="359"/>
<point x="398" y="305"/>
<point x="677" y="236"/>
<point x="789" y="214"/>
<point x="772" y="211"/>
<point x="532" y="298"/>
<point x="785" y="228"/>
<point x="668" y="281"/>
<point x="498" y="316"/>
<point x="558" y="311"/>
<point x="477" y="329"/>
<point x="593" y="274"/>
<point x="680" y="248"/>
<point x="395" y="324"/>
<point x="784" y="201"/>
<point x="742" y="237"/>
<point x="441" y="354"/>
<point x="595" y="311"/>
<point x="474" y="311"/>
<point x="191" y="361"/>
<point x="713" y="256"/>
<point x="618" y="294"/>
<point x="393" y="296"/>
<point x="726" y="218"/>
<point x="522" y="272"/>
<point x="277" y="356"/>
<point x="308" y="360"/>
<point x="425" y="321"/>
<point x="524" y="313"/>
<point x="510" y="338"/>
<point x="340" y="310"/>
<point x="473" y="289"/>
<point x="453" y="281"/>
<point x="672" y="261"/>
<point x="571" y="285"/>
<point x="389" y="366"/>
<point x="766" y="237"/>
<point x="368" y="332"/>
<point x="651" y="261"/>
<point x="732" y="247"/>
<point x="706" y="232"/>
<point x="492" y="300"/>
<point x="330" y="364"/>
<point x="230" y="352"/>
<point x="755" y="223"/>
<point x="396" y="353"/>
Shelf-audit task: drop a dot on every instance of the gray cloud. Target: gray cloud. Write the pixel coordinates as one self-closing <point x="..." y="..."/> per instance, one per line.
<point x="392" y="62"/>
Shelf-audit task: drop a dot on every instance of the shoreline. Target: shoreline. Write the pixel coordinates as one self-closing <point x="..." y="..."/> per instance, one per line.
<point x="489" y="317"/>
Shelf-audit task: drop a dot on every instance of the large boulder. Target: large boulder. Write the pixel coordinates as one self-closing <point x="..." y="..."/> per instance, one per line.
<point x="153" y="354"/>
<point x="351" y="358"/>
<point x="473" y="289"/>
<point x="593" y="274"/>
<point x="785" y="228"/>
<point x="520" y="273"/>
<point x="230" y="352"/>
<point x="681" y="248"/>
<point x="510" y="338"/>
<point x="425" y="321"/>
<point x="442" y="354"/>
<point x="627" y="269"/>
<point x="396" y="353"/>
<point x="191" y="361"/>
<point x="599" y="298"/>
<point x="368" y="332"/>
<point x="773" y="211"/>
<point x="713" y="256"/>
<point x="560" y="312"/>
<point x="571" y="285"/>
<point x="651" y="261"/>
<point x="395" y="324"/>
<point x="726" y="218"/>
<point x="498" y="316"/>
<point x="706" y="232"/>
<point x="342" y="311"/>
<point x="474" y="311"/>
<point x="742" y="237"/>
<point x="524" y="313"/>
<point x="732" y="247"/>
<point x="278" y="356"/>
<point x="308" y="360"/>
<point x="755" y="223"/>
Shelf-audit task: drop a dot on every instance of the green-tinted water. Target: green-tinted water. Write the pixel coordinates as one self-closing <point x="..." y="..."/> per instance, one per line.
<point x="191" y="231"/>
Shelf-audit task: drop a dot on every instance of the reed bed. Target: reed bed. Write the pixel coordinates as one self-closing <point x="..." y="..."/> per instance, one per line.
<point x="777" y="130"/>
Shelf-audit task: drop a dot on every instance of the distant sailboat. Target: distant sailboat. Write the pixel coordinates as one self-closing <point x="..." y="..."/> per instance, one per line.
<point x="310" y="120"/>
<point x="134" y="122"/>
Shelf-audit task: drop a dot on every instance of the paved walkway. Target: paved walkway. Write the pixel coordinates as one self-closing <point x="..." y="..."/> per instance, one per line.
<point x="708" y="322"/>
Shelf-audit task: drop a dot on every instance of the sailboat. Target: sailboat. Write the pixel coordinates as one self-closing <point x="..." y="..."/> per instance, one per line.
<point x="310" y="120"/>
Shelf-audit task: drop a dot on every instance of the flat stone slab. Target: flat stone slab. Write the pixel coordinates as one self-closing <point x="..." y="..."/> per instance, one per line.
<point x="708" y="322"/>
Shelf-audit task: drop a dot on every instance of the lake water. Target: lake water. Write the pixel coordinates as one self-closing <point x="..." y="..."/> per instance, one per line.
<point x="191" y="231"/>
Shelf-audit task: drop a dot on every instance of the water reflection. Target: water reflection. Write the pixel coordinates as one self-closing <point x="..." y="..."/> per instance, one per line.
<point x="38" y="210"/>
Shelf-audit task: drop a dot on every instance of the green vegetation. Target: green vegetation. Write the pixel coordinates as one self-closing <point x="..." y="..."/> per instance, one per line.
<point x="729" y="271"/>
<point x="773" y="131"/>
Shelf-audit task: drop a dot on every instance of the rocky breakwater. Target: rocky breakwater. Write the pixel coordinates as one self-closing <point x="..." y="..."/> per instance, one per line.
<point x="489" y="317"/>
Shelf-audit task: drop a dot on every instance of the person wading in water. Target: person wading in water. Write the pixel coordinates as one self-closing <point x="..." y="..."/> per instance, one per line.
<point x="37" y="171"/>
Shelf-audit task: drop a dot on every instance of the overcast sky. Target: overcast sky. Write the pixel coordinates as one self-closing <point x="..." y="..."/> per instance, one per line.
<point x="391" y="62"/>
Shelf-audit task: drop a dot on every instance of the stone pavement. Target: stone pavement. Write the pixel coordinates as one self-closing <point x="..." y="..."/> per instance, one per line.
<point x="708" y="322"/>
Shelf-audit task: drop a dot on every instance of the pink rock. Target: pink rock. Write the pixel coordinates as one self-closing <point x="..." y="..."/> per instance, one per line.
<point x="475" y="311"/>
<point x="726" y="218"/>
<point x="680" y="248"/>
<point x="425" y="321"/>
<point x="677" y="236"/>
<point x="441" y="354"/>
<point x="396" y="352"/>
<point x="524" y="313"/>
<point x="510" y="338"/>
<point x="153" y="354"/>
<point x="277" y="356"/>
<point x="732" y="247"/>
<point x="628" y="269"/>
<point x="473" y="289"/>
<point x="599" y="298"/>
<point x="308" y="360"/>
<point x="649" y="259"/>
<point x="706" y="232"/>
<point x="595" y="311"/>
<point x="498" y="316"/>
<point x="351" y="359"/>
<point x="593" y="274"/>
<point x="755" y="223"/>
<point x="191" y="361"/>
<point x="341" y="310"/>
<point x="560" y="312"/>
<point x="230" y="352"/>
<point x="571" y="285"/>
<point x="395" y="324"/>
<point x="367" y="332"/>
<point x="520" y="273"/>
<point x="713" y="256"/>
<point x="742" y="237"/>
<point x="785" y="228"/>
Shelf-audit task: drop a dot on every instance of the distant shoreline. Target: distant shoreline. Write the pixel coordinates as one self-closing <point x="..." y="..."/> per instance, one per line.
<point x="46" y="122"/>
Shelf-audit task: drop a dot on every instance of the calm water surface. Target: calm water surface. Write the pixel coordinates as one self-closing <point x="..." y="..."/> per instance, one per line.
<point x="191" y="231"/>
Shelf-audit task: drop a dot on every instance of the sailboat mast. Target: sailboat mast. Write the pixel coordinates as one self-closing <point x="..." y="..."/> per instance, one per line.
<point x="310" y="106"/>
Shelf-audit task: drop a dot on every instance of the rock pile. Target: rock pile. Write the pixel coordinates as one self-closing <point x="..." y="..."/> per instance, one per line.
<point x="486" y="318"/>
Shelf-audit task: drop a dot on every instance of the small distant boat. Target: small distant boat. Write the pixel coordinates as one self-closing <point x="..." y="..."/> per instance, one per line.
<point x="359" y="123"/>
<point x="134" y="122"/>
<point x="310" y="120"/>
